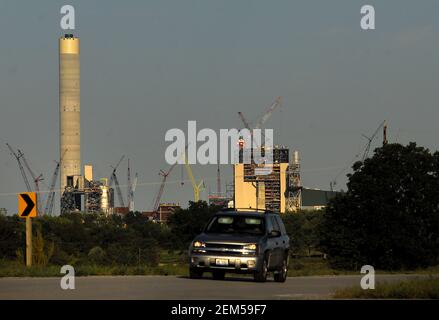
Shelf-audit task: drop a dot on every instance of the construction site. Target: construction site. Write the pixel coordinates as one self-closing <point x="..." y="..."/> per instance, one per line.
<point x="280" y="190"/>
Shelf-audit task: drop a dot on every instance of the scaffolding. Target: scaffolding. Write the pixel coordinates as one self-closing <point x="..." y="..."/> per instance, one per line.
<point x="98" y="197"/>
<point x="268" y="186"/>
<point x="92" y="197"/>
<point x="294" y="191"/>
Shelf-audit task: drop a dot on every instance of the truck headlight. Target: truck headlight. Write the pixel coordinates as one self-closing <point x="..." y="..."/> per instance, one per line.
<point x="251" y="246"/>
<point x="199" y="244"/>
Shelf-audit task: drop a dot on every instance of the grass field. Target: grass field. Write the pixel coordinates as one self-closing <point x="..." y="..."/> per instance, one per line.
<point x="175" y="263"/>
<point x="410" y="289"/>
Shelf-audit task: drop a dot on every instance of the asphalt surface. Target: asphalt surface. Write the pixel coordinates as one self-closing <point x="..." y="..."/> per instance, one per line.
<point x="176" y="288"/>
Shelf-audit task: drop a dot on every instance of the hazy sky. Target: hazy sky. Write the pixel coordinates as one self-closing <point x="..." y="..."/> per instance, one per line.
<point x="148" y="66"/>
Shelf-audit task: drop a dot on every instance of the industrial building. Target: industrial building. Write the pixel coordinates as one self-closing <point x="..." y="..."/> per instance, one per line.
<point x="262" y="191"/>
<point x="83" y="193"/>
<point x="163" y="213"/>
<point x="279" y="191"/>
<point x="316" y="199"/>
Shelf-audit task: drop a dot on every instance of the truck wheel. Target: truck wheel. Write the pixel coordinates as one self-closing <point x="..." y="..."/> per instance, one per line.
<point x="281" y="275"/>
<point x="261" y="274"/>
<point x="218" y="275"/>
<point x="194" y="273"/>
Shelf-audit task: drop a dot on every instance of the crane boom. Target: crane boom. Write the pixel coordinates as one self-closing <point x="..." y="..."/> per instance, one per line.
<point x="35" y="178"/>
<point x="263" y="119"/>
<point x="370" y="140"/>
<point x="110" y="183"/>
<point x="20" y="165"/>
<point x="129" y="184"/>
<point x="218" y="180"/>
<point x="50" y="199"/>
<point x="113" y="178"/>
<point x="244" y="120"/>
<point x="133" y="189"/>
<point x="197" y="187"/>
<point x="165" y="175"/>
<point x="268" y="113"/>
<point x="119" y="192"/>
<point x="333" y="182"/>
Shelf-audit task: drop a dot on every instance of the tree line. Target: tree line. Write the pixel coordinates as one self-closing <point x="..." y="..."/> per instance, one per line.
<point x="388" y="218"/>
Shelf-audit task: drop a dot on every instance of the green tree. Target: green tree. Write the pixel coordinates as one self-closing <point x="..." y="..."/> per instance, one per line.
<point x="389" y="217"/>
<point x="96" y="255"/>
<point x="303" y="229"/>
<point x="11" y="236"/>
<point x="185" y="224"/>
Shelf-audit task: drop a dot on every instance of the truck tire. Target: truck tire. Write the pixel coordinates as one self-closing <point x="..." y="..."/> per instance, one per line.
<point x="261" y="274"/>
<point x="194" y="273"/>
<point x="282" y="273"/>
<point x="218" y="275"/>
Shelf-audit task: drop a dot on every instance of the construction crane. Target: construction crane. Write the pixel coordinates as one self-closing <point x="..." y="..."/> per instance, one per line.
<point x="196" y="187"/>
<point x="244" y="120"/>
<point x="113" y="178"/>
<point x="51" y="198"/>
<point x="370" y="140"/>
<point x="267" y="114"/>
<point x="132" y="191"/>
<point x="165" y="175"/>
<point x="385" y="133"/>
<point x="18" y="157"/>
<point x="129" y="184"/>
<point x="218" y="180"/>
<point x="35" y="178"/>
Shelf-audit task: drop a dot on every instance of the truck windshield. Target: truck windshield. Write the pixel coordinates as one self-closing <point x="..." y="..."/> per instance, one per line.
<point x="236" y="224"/>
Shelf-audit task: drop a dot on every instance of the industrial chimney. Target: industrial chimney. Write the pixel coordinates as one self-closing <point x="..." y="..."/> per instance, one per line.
<point x="69" y="108"/>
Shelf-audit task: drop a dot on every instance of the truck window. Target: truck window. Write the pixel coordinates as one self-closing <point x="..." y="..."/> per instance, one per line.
<point x="269" y="225"/>
<point x="281" y="225"/>
<point x="275" y="224"/>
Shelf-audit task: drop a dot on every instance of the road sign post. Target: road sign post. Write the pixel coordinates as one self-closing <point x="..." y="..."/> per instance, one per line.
<point x="27" y="209"/>
<point x="28" y="242"/>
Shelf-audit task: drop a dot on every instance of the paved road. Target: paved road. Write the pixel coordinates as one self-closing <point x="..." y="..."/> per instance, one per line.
<point x="171" y="287"/>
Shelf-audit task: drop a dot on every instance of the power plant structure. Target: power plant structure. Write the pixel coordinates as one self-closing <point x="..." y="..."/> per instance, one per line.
<point x="256" y="189"/>
<point x="272" y="186"/>
<point x="78" y="192"/>
<point x="294" y="189"/>
<point x="69" y="109"/>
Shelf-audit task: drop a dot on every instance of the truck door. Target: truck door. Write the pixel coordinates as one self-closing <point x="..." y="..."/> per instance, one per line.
<point x="271" y="244"/>
<point x="277" y="243"/>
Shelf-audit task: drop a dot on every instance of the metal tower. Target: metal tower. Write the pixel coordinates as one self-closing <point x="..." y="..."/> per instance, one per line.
<point x="294" y="196"/>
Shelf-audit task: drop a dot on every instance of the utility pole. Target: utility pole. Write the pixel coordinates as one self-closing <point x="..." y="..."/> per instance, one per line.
<point x="28" y="242"/>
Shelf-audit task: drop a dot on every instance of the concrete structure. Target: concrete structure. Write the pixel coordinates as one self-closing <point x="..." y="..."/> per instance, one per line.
<point x="88" y="172"/>
<point x="69" y="109"/>
<point x="262" y="191"/>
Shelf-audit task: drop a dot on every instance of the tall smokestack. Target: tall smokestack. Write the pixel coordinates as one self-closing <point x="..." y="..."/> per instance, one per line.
<point x="69" y="108"/>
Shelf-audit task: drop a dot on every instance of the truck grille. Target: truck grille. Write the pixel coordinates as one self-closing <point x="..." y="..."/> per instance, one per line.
<point x="226" y="249"/>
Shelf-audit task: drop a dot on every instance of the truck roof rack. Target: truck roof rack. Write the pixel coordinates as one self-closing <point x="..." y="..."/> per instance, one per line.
<point x="247" y="209"/>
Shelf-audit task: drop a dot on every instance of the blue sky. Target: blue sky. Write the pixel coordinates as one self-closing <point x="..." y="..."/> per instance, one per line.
<point x="148" y="66"/>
